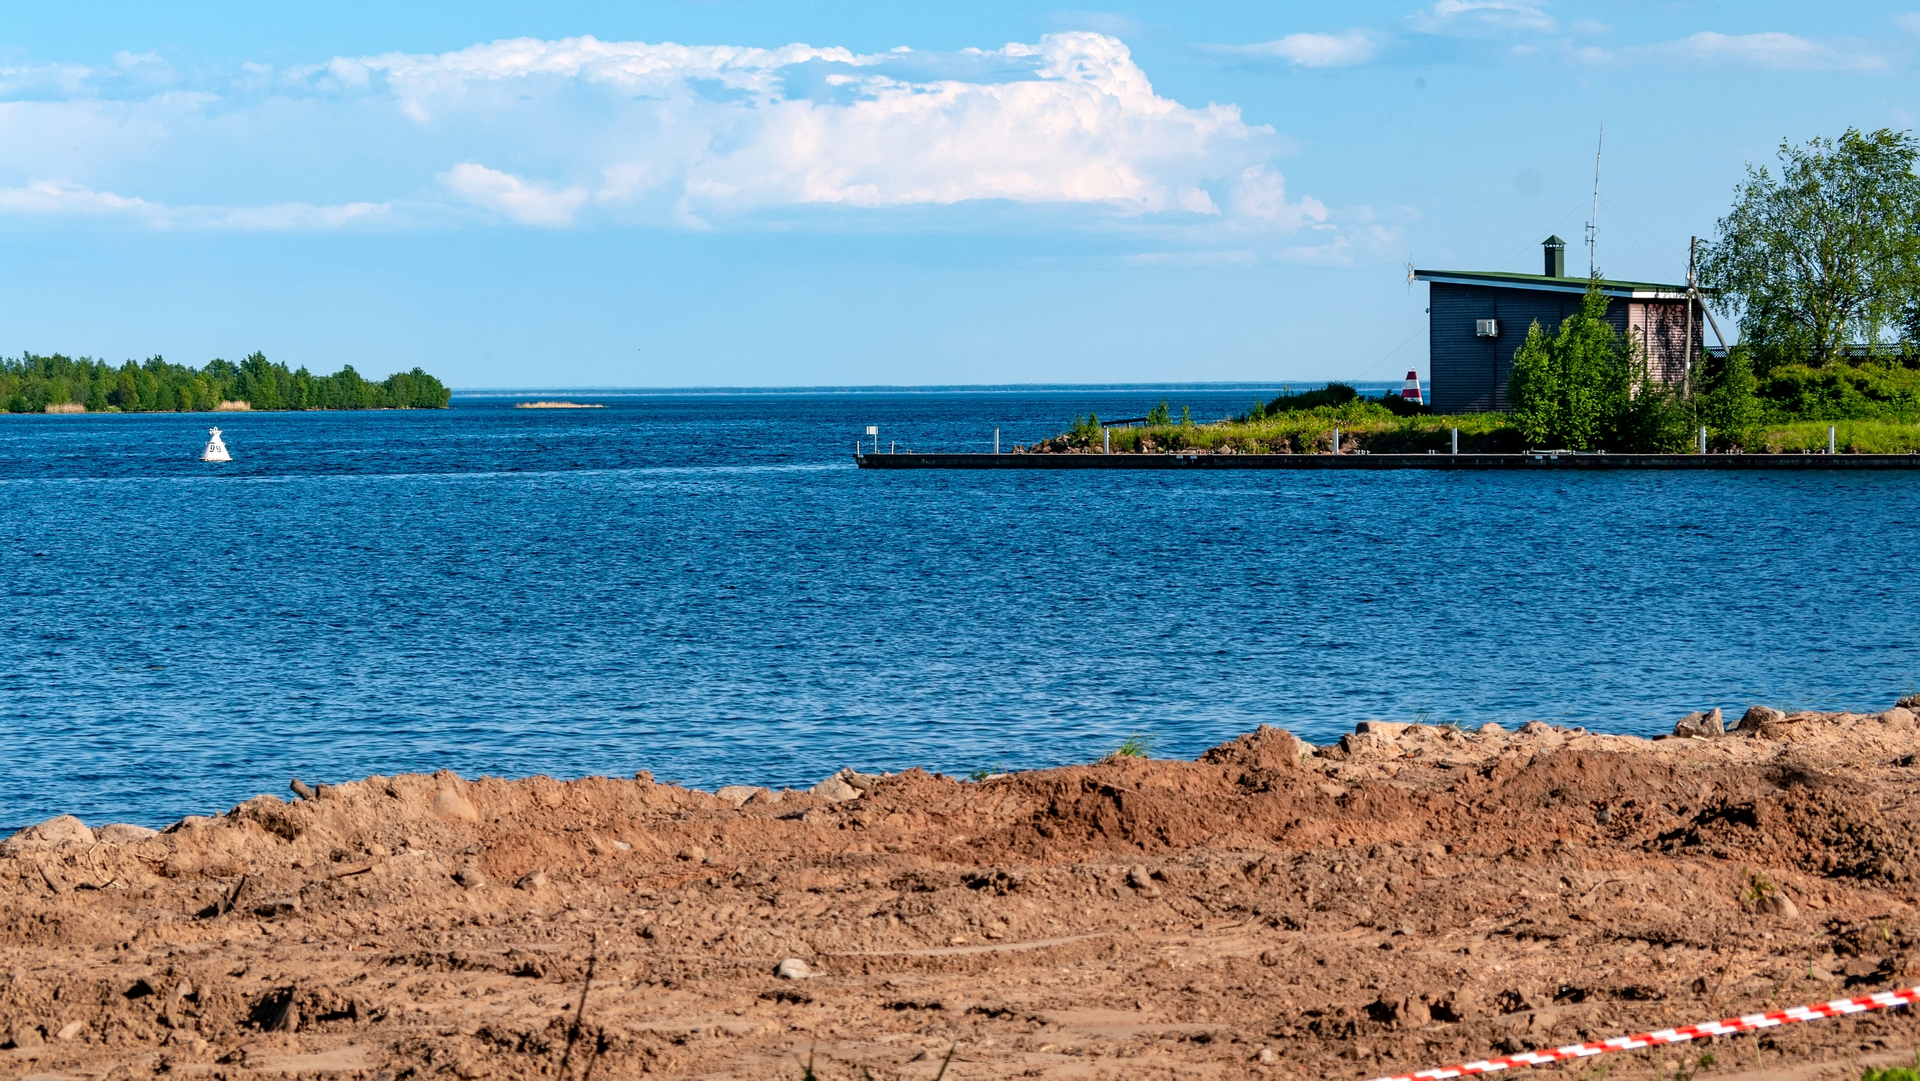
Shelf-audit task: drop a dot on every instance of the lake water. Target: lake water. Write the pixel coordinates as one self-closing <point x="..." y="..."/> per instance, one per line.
<point x="704" y="586"/>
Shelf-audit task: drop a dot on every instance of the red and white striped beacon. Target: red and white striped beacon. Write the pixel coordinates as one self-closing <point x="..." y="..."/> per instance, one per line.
<point x="1410" y="391"/>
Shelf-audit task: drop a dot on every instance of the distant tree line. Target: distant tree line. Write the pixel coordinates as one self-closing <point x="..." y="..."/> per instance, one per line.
<point x="31" y="383"/>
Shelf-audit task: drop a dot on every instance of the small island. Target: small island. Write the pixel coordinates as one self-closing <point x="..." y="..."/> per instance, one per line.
<point x="61" y="384"/>
<point x="558" y="405"/>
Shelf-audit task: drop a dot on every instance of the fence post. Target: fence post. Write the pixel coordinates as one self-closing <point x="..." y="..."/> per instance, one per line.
<point x="1456" y="442"/>
<point x="1336" y="440"/>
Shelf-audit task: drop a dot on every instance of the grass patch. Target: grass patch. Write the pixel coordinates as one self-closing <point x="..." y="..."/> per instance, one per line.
<point x="1849" y="437"/>
<point x="1138" y="745"/>
<point x="1368" y="426"/>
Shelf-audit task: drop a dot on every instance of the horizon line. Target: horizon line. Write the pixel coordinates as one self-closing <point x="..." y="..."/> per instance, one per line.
<point x="924" y="388"/>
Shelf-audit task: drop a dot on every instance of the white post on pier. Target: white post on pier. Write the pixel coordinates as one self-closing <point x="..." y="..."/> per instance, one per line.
<point x="1703" y="439"/>
<point x="1336" y="440"/>
<point x="1829" y="439"/>
<point x="996" y="440"/>
<point x="1456" y="442"/>
<point x="874" y="431"/>
<point x="1106" y="440"/>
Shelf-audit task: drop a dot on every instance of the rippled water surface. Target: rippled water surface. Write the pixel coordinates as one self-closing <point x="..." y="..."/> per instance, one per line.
<point x="706" y="587"/>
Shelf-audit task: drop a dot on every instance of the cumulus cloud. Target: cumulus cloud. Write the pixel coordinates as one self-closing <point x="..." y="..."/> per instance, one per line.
<point x="59" y="199"/>
<point x="525" y="202"/>
<point x="716" y="130"/>
<point x="1772" y="51"/>
<point x="1261" y="195"/>
<point x="1481" y="17"/>
<point x="578" y="132"/>
<point x="1317" y="50"/>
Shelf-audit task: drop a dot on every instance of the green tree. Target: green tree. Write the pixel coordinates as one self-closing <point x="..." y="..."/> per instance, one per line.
<point x="1571" y="390"/>
<point x="1729" y="406"/>
<point x="1825" y="254"/>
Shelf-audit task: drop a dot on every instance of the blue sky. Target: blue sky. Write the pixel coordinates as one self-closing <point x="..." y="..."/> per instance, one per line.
<point x="765" y="194"/>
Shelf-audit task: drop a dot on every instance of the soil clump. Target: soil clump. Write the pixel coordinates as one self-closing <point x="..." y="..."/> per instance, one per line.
<point x="1409" y="897"/>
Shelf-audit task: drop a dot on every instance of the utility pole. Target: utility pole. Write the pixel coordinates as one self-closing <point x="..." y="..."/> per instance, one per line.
<point x="1686" y="368"/>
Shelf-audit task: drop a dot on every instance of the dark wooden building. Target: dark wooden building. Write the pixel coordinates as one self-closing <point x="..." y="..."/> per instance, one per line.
<point x="1477" y="319"/>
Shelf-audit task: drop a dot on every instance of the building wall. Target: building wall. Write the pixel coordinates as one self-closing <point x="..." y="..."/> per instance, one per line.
<point x="1469" y="373"/>
<point x="1662" y="328"/>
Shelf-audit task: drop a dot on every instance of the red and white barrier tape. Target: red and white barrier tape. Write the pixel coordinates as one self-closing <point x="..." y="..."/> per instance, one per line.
<point x="1836" y="1008"/>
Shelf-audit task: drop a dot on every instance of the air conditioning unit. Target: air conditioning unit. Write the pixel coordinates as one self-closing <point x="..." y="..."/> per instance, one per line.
<point x="1486" y="328"/>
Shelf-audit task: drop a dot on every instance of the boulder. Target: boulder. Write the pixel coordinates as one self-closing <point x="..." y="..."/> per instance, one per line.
<point x="1389" y="729"/>
<point x="470" y="878"/>
<point x="1760" y="721"/>
<point x="794" y="969"/>
<point x="454" y="807"/>
<point x="738" y="794"/>
<point x="1140" y="879"/>
<point x="125" y="833"/>
<point x="1706" y="723"/>
<point x="1911" y="701"/>
<point x="1777" y="904"/>
<point x="834" y="788"/>
<point x="53" y="833"/>
<point x="1899" y="718"/>
<point x="1363" y="746"/>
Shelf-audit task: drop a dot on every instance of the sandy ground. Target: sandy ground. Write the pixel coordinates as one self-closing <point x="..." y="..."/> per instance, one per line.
<point x="1408" y="898"/>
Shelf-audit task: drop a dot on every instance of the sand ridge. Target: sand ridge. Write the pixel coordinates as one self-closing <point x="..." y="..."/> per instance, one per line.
<point x="1404" y="898"/>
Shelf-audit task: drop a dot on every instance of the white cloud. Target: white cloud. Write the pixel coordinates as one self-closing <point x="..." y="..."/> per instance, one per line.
<point x="685" y="133"/>
<point x="1318" y="50"/>
<point x="1908" y="21"/>
<point x="1261" y="195"/>
<point x="1482" y="17"/>
<point x="579" y="132"/>
<point x="59" y="199"/>
<point x="525" y="202"/>
<point x="1772" y="51"/>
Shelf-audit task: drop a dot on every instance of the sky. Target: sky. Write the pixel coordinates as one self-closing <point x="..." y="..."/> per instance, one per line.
<point x="752" y="193"/>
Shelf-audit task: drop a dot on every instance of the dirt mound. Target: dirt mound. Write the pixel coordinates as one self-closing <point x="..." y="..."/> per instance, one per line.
<point x="1405" y="897"/>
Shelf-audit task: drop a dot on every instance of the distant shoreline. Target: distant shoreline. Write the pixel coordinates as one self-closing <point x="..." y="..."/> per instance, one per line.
<point x="557" y="405"/>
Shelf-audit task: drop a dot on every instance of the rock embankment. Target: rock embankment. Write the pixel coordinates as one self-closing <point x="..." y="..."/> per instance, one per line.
<point x="1406" y="897"/>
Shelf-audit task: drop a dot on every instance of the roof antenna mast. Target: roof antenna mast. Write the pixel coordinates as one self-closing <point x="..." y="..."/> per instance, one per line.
<point x="1593" y="223"/>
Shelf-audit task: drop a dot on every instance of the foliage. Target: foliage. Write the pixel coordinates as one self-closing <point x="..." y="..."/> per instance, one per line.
<point x="1137" y="745"/>
<point x="1891" y="1073"/>
<point x="1866" y="388"/>
<point x="1333" y="394"/>
<point x="1086" y="430"/>
<point x="1158" y="415"/>
<point x="1401" y="407"/>
<point x="31" y="383"/>
<point x="1827" y="253"/>
<point x="1729" y="404"/>
<point x="1573" y="390"/>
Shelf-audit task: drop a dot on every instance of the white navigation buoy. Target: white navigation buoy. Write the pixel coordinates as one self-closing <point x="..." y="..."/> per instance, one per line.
<point x="216" y="451"/>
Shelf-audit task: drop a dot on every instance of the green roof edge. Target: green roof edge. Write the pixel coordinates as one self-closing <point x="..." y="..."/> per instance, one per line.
<point x="1515" y="276"/>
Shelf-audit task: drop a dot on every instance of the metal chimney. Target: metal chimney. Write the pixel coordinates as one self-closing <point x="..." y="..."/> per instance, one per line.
<point x="1556" y="251"/>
